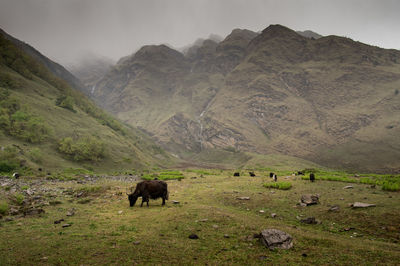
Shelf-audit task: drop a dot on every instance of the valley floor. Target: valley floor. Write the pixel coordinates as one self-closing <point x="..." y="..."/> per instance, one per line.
<point x="99" y="227"/>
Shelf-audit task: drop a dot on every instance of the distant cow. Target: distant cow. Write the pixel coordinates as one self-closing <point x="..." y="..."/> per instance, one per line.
<point x="312" y="177"/>
<point x="275" y="177"/>
<point x="300" y="173"/>
<point x="151" y="189"/>
<point x="236" y="174"/>
<point x="16" y="175"/>
<point x="271" y="175"/>
<point x="252" y="174"/>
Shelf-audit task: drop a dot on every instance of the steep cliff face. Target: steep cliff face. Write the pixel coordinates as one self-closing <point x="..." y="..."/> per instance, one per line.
<point x="331" y="99"/>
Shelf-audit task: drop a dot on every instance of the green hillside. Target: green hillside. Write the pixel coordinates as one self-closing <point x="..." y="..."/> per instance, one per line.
<point x="47" y="124"/>
<point x="329" y="100"/>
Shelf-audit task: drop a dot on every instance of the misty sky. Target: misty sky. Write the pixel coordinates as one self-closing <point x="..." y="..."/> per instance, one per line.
<point x="66" y="29"/>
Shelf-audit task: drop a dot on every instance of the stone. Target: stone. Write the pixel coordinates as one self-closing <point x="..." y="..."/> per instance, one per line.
<point x="136" y="243"/>
<point x="30" y="192"/>
<point x="175" y="202"/>
<point x="310" y="199"/>
<point x="66" y="225"/>
<point x="13" y="211"/>
<point x="348" y="187"/>
<point x="71" y="213"/>
<point x="33" y="211"/>
<point x="334" y="208"/>
<point x="243" y="198"/>
<point x="226" y="236"/>
<point x="309" y="220"/>
<point x="361" y="205"/>
<point x="120" y="212"/>
<point x="274" y="238"/>
<point x="203" y="220"/>
<point x="58" y="221"/>
<point x="193" y="236"/>
<point x="261" y="211"/>
<point x="215" y="226"/>
<point x="273" y="215"/>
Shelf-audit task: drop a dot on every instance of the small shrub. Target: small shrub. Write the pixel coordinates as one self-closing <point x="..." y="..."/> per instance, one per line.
<point x="66" y="102"/>
<point x="4" y="207"/>
<point x="36" y="155"/>
<point x="88" y="148"/>
<point x="8" y="159"/>
<point x="19" y="198"/>
<point x="279" y="185"/>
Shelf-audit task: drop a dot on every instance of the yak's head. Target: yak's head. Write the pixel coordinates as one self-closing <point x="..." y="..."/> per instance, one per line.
<point x="132" y="199"/>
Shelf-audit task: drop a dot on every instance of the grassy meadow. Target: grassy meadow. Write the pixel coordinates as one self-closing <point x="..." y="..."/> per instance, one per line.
<point x="105" y="230"/>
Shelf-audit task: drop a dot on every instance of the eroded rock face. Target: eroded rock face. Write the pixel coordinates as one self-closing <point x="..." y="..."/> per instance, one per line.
<point x="274" y="238"/>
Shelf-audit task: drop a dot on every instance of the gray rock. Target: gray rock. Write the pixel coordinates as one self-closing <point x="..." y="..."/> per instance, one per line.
<point x="361" y="205"/>
<point x="348" y="187"/>
<point x="309" y="220"/>
<point x="66" y="225"/>
<point x="273" y="215"/>
<point x="334" y="208"/>
<point x="175" y="202"/>
<point x="243" y="198"/>
<point x="274" y="238"/>
<point x="310" y="199"/>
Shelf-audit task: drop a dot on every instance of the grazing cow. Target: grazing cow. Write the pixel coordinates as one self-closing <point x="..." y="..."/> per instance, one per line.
<point x="275" y="178"/>
<point x="300" y="173"/>
<point x="271" y="175"/>
<point x="312" y="177"/>
<point x="151" y="189"/>
<point x="16" y="175"/>
<point x="236" y="174"/>
<point x="252" y="174"/>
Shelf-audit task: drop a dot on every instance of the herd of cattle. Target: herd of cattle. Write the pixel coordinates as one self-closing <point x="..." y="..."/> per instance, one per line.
<point x="154" y="189"/>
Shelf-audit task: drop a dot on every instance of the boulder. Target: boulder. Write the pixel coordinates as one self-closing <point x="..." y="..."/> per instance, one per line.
<point x="348" y="187"/>
<point x="334" y="208"/>
<point x="274" y="238"/>
<point x="310" y="199"/>
<point x="361" y="205"/>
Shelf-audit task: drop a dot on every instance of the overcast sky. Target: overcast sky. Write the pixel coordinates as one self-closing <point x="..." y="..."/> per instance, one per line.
<point x="65" y="29"/>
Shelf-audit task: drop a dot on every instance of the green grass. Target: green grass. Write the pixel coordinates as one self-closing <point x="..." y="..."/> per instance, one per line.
<point x="279" y="185"/>
<point x="105" y="230"/>
<point x="164" y="175"/>
<point x="387" y="182"/>
<point x="4" y="207"/>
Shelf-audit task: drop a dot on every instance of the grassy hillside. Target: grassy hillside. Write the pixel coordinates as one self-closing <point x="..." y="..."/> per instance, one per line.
<point x="47" y="124"/>
<point x="330" y="100"/>
<point x="97" y="219"/>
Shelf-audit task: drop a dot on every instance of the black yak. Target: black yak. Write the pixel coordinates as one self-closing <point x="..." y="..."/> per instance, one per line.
<point x="151" y="189"/>
<point x="312" y="177"/>
<point x="252" y="174"/>
<point x="236" y="174"/>
<point x="271" y="175"/>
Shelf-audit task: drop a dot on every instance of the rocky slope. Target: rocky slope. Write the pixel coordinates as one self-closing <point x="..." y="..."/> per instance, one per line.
<point x="331" y="100"/>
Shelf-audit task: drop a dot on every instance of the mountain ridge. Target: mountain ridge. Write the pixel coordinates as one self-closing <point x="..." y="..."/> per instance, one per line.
<point x="273" y="92"/>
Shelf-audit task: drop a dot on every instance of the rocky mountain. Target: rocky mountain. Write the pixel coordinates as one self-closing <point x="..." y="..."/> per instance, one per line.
<point x="330" y="100"/>
<point x="48" y="124"/>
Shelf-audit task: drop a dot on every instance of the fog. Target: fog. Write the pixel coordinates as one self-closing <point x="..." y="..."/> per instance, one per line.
<point x="65" y="30"/>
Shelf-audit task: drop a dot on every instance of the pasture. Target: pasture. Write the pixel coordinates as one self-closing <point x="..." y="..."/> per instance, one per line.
<point x="101" y="228"/>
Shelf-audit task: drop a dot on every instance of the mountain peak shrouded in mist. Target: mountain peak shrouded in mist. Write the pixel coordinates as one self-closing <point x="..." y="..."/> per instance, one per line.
<point x="269" y="92"/>
<point x="309" y="34"/>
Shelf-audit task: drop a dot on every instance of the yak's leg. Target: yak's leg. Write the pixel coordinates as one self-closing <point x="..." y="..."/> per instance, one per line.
<point x="163" y="200"/>
<point x="141" y="205"/>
